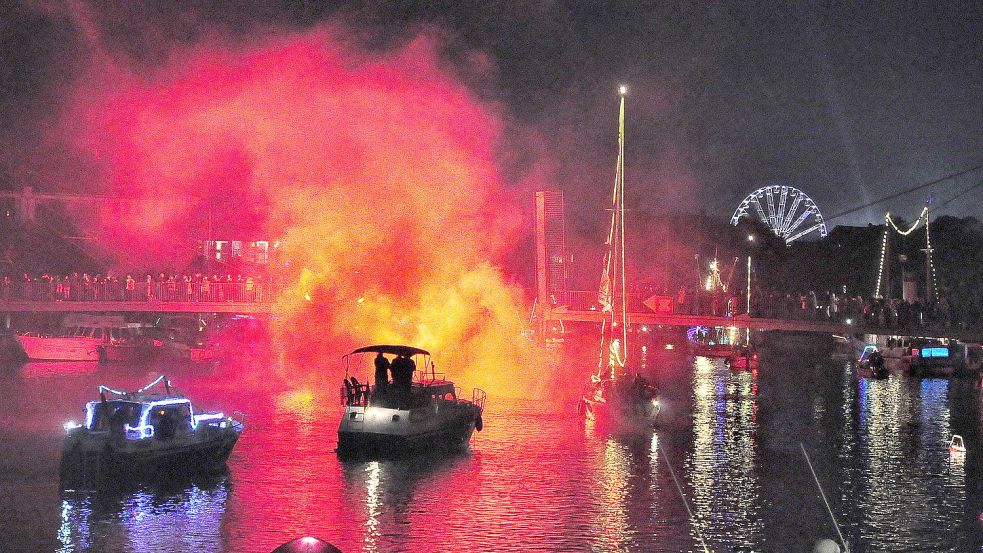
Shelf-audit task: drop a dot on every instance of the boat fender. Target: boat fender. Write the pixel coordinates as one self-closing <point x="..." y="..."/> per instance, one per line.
<point x="478" y="424"/>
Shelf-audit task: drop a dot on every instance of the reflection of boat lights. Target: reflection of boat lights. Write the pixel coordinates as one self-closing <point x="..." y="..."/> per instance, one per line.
<point x="372" y="501"/>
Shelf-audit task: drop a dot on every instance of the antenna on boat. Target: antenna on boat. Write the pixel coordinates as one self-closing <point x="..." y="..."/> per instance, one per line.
<point x="167" y="386"/>
<point x="682" y="496"/>
<point x="846" y="547"/>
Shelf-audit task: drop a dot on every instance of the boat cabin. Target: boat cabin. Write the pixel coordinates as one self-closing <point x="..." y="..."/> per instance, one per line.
<point x="142" y="417"/>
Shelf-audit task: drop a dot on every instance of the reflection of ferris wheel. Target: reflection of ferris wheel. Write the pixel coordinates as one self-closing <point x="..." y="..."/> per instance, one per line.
<point x="784" y="210"/>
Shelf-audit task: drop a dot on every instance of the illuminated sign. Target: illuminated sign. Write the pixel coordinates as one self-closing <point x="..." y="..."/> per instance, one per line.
<point x="935" y="352"/>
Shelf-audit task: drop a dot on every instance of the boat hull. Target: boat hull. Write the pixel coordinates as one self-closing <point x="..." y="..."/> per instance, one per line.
<point x="637" y="415"/>
<point x="40" y="348"/>
<point x="102" y="463"/>
<point x="410" y="432"/>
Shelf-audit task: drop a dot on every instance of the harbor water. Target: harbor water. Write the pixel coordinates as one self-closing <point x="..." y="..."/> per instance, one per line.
<point x="536" y="478"/>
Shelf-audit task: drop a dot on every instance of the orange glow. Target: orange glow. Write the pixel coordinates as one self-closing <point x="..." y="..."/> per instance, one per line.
<point x="376" y="174"/>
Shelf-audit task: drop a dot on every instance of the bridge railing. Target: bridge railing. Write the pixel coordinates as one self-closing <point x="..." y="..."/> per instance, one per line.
<point x="587" y="300"/>
<point x="103" y="291"/>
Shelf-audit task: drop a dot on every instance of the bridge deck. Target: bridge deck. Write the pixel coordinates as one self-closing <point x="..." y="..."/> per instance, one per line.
<point x="756" y="323"/>
<point x="244" y="307"/>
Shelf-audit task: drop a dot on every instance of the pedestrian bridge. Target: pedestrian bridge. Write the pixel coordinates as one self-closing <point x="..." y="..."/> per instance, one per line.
<point x="639" y="313"/>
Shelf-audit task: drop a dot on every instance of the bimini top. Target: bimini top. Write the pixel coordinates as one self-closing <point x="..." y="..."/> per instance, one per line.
<point x="408" y="351"/>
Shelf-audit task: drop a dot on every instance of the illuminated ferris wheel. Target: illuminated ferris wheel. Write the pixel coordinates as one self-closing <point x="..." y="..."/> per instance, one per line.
<point x="787" y="211"/>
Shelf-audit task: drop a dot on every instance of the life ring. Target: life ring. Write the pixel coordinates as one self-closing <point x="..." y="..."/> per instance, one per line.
<point x="478" y="424"/>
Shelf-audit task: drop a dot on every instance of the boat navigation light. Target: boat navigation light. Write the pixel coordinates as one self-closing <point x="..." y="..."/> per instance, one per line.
<point x="71" y="425"/>
<point x="670" y="347"/>
<point x="655" y="403"/>
<point x="622" y="90"/>
<point x="849" y="321"/>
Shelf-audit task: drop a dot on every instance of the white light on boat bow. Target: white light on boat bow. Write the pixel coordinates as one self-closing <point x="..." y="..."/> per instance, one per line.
<point x="71" y="425"/>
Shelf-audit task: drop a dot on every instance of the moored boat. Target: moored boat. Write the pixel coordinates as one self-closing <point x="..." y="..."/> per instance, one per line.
<point x="127" y="435"/>
<point x="742" y="358"/>
<point x="88" y="338"/>
<point x="403" y="416"/>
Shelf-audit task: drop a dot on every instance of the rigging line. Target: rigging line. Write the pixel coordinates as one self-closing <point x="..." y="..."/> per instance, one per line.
<point x="906" y="191"/>
<point x="823" y="494"/>
<point x="957" y="196"/>
<point x="682" y="496"/>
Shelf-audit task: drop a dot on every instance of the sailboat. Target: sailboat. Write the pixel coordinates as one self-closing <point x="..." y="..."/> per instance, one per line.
<point x="616" y="396"/>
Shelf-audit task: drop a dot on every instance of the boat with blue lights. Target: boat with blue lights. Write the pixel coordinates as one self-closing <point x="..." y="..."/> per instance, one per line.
<point x="403" y="415"/>
<point x="146" y="433"/>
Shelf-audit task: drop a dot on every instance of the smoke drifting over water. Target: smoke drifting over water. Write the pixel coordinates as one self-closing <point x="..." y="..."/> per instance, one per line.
<point x="377" y="172"/>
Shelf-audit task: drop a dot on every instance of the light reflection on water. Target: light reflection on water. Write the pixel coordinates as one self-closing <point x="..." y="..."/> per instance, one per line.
<point x="537" y="478"/>
<point x="148" y="519"/>
<point x="721" y="466"/>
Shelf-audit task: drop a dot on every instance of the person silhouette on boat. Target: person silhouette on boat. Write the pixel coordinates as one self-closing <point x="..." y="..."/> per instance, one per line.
<point x="402" y="369"/>
<point x="382" y="366"/>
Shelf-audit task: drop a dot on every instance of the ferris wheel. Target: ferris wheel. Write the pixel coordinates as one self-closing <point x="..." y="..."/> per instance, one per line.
<point x="787" y="211"/>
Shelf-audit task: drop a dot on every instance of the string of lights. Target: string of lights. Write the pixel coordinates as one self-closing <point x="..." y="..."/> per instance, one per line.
<point x="931" y="281"/>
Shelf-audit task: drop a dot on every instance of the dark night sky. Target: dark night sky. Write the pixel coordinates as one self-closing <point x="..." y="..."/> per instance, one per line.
<point x="846" y="103"/>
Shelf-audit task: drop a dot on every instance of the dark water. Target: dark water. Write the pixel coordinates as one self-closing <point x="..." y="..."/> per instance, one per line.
<point x="535" y="479"/>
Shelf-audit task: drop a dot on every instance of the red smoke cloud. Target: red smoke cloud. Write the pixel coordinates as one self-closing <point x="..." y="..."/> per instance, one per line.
<point x="377" y="172"/>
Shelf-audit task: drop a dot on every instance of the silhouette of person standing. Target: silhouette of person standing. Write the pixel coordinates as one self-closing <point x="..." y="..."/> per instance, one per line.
<point x="381" y="374"/>
<point x="403" y="368"/>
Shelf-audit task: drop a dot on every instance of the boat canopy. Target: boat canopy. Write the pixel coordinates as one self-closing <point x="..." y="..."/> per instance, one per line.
<point x="408" y="351"/>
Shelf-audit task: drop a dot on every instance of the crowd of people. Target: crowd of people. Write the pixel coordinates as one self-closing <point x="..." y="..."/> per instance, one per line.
<point x="147" y="287"/>
<point x="830" y="306"/>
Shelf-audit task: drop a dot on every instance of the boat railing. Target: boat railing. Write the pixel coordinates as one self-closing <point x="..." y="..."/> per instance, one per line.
<point x="478" y="397"/>
<point x="357" y="394"/>
<point x="428" y="377"/>
<point x="238" y="418"/>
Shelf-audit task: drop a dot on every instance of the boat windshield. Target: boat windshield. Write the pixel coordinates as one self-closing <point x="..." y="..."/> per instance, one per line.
<point x="127" y="412"/>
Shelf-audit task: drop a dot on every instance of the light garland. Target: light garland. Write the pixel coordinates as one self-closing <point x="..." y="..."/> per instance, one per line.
<point x="931" y="292"/>
<point x="924" y="214"/>
<point x="880" y="269"/>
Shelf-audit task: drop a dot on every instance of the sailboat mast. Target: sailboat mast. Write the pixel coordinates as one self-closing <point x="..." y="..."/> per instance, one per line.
<point x="621" y="211"/>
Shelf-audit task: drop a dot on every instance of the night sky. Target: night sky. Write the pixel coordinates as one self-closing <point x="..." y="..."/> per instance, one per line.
<point x="847" y="103"/>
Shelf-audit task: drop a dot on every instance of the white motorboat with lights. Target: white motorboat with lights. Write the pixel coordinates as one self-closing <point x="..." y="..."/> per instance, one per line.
<point x="143" y="433"/>
<point x="403" y="415"/>
<point x="615" y="397"/>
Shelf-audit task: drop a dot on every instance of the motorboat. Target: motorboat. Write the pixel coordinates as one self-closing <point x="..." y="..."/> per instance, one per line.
<point x="407" y="414"/>
<point x="128" y="435"/>
<point x="742" y="359"/>
<point x="956" y="444"/>
<point x="711" y="342"/>
<point x="88" y="338"/>
<point x="871" y="363"/>
<point x="927" y="357"/>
